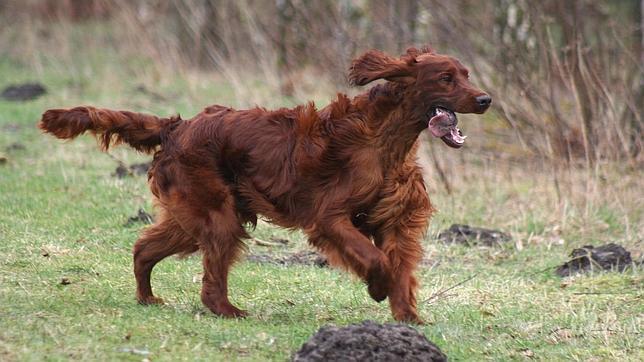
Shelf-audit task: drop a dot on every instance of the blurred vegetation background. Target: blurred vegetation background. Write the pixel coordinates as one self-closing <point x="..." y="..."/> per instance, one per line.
<point x="566" y="76"/>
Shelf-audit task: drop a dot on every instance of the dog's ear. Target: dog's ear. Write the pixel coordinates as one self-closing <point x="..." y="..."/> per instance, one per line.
<point x="412" y="53"/>
<point x="375" y="64"/>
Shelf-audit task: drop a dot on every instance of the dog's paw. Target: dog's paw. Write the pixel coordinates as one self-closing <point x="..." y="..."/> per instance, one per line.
<point x="409" y="316"/>
<point x="404" y="310"/>
<point x="230" y="311"/>
<point x="377" y="291"/>
<point x="225" y="309"/>
<point x="379" y="282"/>
<point x="149" y="300"/>
<point x="238" y="313"/>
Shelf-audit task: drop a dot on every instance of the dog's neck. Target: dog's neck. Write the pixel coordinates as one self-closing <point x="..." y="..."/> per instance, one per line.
<point x="391" y="117"/>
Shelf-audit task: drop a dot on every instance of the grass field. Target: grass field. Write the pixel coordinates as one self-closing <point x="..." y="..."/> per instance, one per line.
<point x="62" y="217"/>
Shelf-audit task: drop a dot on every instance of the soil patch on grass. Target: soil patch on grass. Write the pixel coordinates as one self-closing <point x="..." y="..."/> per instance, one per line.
<point x="305" y="257"/>
<point x="470" y="235"/>
<point x="588" y="258"/>
<point x="11" y="127"/>
<point x="369" y="341"/>
<point x="135" y="169"/>
<point x="23" y="92"/>
<point x="149" y="93"/>
<point x="141" y="217"/>
<point x="16" y="146"/>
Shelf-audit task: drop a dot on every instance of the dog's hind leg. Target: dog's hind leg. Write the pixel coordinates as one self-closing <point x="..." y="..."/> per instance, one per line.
<point x="219" y="255"/>
<point x="157" y="242"/>
<point x="205" y="209"/>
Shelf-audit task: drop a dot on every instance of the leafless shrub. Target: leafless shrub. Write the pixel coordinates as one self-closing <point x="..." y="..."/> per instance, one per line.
<point x="566" y="76"/>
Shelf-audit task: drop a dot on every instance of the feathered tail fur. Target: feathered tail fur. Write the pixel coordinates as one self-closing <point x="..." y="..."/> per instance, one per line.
<point x="141" y="131"/>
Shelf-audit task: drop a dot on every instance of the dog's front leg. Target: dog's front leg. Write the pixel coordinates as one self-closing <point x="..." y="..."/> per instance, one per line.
<point x="403" y="253"/>
<point x="400" y="220"/>
<point x="346" y="245"/>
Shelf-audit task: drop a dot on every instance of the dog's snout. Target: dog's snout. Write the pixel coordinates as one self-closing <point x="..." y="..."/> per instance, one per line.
<point x="483" y="101"/>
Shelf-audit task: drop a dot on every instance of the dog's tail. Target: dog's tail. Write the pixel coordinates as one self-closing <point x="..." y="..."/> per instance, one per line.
<point x="141" y="131"/>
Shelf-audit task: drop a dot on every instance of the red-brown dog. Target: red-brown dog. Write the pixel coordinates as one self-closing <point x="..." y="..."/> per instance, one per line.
<point x="345" y="174"/>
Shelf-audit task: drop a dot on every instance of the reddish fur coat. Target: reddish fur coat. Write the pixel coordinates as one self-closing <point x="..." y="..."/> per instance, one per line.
<point x="345" y="174"/>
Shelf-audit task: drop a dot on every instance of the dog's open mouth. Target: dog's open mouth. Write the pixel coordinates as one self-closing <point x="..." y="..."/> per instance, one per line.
<point x="442" y="123"/>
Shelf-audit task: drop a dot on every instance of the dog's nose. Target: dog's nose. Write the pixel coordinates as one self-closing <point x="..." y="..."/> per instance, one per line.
<point x="483" y="101"/>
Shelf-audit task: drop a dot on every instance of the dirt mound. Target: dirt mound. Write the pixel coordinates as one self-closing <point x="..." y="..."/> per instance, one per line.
<point x="23" y="92"/>
<point x="135" y="169"/>
<point x="470" y="235"/>
<point x="306" y="257"/>
<point x="606" y="257"/>
<point x="369" y="341"/>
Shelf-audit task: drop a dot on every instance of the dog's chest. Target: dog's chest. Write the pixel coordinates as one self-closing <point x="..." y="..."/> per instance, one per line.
<point x="366" y="171"/>
<point x="367" y="180"/>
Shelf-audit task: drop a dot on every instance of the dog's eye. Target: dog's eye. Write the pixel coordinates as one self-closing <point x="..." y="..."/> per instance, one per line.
<point x="446" y="78"/>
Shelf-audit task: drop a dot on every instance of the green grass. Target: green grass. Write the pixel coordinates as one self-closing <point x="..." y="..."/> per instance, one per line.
<point x="62" y="216"/>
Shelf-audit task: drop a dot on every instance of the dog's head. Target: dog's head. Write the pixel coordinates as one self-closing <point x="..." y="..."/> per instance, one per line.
<point x="437" y="84"/>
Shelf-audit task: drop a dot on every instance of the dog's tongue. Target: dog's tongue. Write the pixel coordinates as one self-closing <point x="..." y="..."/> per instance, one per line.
<point x="443" y="125"/>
